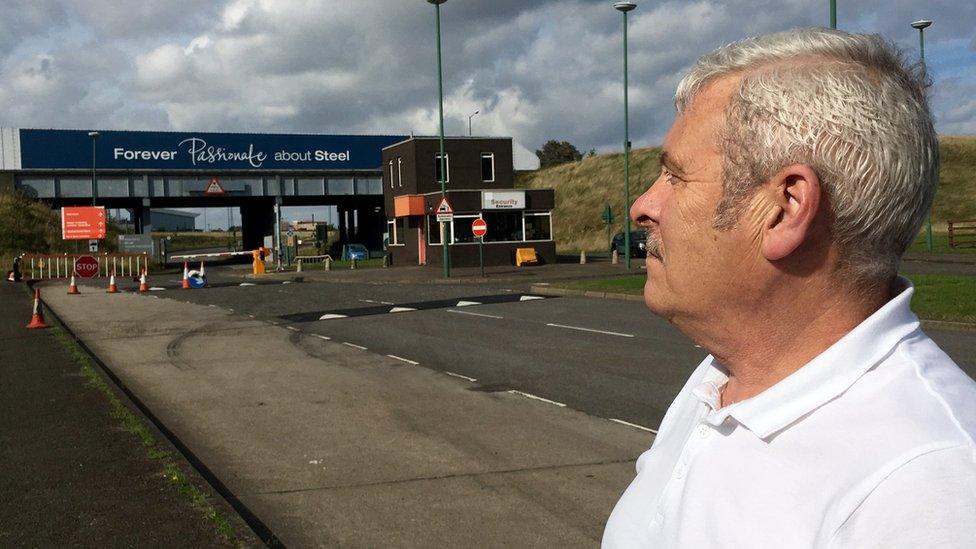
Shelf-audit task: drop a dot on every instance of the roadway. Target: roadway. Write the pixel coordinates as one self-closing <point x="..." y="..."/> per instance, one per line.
<point x="608" y="358"/>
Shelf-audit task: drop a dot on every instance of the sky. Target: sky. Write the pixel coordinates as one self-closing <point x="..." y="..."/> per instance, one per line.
<point x="539" y="70"/>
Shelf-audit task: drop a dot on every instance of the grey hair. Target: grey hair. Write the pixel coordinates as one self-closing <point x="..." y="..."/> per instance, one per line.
<point x="850" y="107"/>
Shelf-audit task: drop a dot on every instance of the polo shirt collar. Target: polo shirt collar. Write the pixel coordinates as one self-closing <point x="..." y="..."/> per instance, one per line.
<point x="822" y="379"/>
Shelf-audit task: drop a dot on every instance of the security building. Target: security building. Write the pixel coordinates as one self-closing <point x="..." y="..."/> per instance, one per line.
<point x="480" y="182"/>
<point x="172" y="220"/>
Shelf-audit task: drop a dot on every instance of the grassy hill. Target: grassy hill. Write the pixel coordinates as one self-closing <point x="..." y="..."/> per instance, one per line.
<point x="584" y="188"/>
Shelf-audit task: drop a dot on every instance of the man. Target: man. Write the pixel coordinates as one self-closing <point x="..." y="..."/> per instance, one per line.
<point x="800" y="167"/>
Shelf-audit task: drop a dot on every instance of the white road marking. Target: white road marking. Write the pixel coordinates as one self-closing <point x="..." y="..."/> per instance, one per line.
<point x="246" y="284"/>
<point x="530" y="297"/>
<point x="541" y="283"/>
<point x="386" y="302"/>
<point x="287" y="282"/>
<point x="408" y="361"/>
<point x="292" y="328"/>
<point x="590" y="330"/>
<point x="367" y="300"/>
<point x="472" y="314"/>
<point x="698" y="346"/>
<point x="331" y="316"/>
<point x="466" y="303"/>
<point x="634" y="425"/>
<point x="156" y="289"/>
<point x="471" y="379"/>
<point x="212" y="306"/>
<point x="401" y="309"/>
<point x="250" y="316"/>
<point x="231" y="310"/>
<point x="360" y="347"/>
<point x="327" y="338"/>
<point x="272" y="322"/>
<point x="533" y="397"/>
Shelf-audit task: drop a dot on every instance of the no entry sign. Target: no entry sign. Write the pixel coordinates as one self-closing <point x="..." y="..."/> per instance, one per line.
<point x="86" y="266"/>
<point x="479" y="227"/>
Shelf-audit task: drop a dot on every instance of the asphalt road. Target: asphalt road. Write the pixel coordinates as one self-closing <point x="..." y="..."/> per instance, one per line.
<point x="608" y="358"/>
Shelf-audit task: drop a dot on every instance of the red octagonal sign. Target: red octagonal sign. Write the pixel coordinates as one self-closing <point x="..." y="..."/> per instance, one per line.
<point x="86" y="266"/>
<point x="479" y="227"/>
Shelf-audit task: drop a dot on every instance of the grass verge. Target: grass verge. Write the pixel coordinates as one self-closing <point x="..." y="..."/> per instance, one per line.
<point x="937" y="297"/>
<point x="133" y="424"/>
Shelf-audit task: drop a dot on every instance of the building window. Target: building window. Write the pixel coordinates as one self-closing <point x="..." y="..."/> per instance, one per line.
<point x="462" y="229"/>
<point x="391" y="174"/>
<point x="400" y="171"/>
<point x="434" y="230"/>
<point x="437" y="167"/>
<point x="538" y="226"/>
<point x="391" y="233"/>
<point x="503" y="226"/>
<point x="488" y="167"/>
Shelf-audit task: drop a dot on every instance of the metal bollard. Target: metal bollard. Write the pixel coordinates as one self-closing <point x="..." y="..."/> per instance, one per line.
<point x="615" y="258"/>
<point x="386" y="260"/>
<point x="582" y="257"/>
<point x="353" y="264"/>
<point x="328" y="263"/>
<point x="298" y="268"/>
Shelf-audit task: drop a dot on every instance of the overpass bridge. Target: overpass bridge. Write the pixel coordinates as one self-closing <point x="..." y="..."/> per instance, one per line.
<point x="257" y="173"/>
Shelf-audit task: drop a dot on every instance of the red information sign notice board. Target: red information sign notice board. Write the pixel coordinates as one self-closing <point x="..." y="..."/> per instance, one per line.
<point x="83" y="222"/>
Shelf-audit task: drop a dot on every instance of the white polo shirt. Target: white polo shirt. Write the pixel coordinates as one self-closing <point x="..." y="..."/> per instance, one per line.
<point x="870" y="444"/>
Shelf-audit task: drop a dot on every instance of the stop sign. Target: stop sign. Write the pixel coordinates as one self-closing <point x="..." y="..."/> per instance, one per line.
<point x="479" y="227"/>
<point x="86" y="266"/>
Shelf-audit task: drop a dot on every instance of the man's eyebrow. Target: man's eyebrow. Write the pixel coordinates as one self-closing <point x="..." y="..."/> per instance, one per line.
<point x="669" y="161"/>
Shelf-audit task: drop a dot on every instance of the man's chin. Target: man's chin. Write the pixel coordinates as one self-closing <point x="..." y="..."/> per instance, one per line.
<point x="653" y="295"/>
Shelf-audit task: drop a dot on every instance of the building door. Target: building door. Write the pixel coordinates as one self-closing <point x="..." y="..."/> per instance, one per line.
<point x="421" y="244"/>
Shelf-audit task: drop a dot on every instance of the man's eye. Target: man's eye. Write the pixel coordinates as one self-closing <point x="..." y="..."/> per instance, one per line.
<point x="669" y="177"/>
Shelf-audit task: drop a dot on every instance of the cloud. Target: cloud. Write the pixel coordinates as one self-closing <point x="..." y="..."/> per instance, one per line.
<point x="535" y="70"/>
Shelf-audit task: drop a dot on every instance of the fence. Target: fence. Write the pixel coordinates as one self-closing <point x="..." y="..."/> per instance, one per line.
<point x="962" y="233"/>
<point x="40" y="266"/>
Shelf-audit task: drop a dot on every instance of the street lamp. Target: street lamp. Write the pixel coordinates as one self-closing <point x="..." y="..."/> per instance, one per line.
<point x="94" y="136"/>
<point x="833" y="14"/>
<point x="469" y="121"/>
<point x="921" y="25"/>
<point x="624" y="7"/>
<point x="440" y="103"/>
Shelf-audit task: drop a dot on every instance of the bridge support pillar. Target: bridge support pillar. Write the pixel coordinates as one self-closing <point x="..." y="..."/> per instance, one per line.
<point x="257" y="221"/>
<point x="141" y="220"/>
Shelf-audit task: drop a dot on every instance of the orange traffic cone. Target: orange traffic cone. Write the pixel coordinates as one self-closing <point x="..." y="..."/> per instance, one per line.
<point x="186" y="276"/>
<point x="37" y="320"/>
<point x="73" y="288"/>
<point x="112" y="288"/>
<point x="143" y="285"/>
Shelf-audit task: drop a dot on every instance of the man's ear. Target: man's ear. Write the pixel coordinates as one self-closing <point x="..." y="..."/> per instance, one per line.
<point x="795" y="193"/>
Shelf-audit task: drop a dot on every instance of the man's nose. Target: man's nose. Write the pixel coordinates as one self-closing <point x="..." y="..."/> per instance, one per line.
<point x="647" y="208"/>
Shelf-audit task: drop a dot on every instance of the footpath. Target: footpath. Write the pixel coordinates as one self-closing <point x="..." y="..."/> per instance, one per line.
<point x="69" y="474"/>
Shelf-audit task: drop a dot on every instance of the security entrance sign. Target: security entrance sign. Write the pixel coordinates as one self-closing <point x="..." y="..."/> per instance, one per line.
<point x="83" y="222"/>
<point x="503" y="200"/>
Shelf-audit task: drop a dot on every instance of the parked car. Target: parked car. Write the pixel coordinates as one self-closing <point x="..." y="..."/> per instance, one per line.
<point x="638" y="243"/>
<point x="354" y="251"/>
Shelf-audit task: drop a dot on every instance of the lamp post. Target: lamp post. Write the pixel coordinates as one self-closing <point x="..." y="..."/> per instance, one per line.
<point x="443" y="161"/>
<point x="921" y="25"/>
<point x="469" y="121"/>
<point x="624" y="7"/>
<point x="833" y="14"/>
<point x="94" y="136"/>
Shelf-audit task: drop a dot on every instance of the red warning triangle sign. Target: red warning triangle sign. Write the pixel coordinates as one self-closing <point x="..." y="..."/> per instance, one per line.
<point x="214" y="187"/>
<point x="444" y="207"/>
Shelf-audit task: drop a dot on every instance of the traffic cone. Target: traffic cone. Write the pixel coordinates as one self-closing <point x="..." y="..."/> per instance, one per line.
<point x="186" y="276"/>
<point x="37" y="319"/>
<point x="73" y="288"/>
<point x="143" y="285"/>
<point x="112" y="288"/>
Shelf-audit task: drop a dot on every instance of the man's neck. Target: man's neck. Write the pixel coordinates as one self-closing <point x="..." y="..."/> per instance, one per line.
<point x="788" y="328"/>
